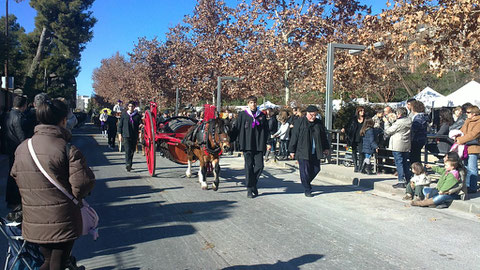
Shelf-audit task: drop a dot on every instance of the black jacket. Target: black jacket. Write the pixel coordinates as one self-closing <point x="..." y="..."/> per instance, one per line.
<point x="353" y="131"/>
<point x="300" y="143"/>
<point x="250" y="138"/>
<point x="14" y="130"/>
<point x="126" y="128"/>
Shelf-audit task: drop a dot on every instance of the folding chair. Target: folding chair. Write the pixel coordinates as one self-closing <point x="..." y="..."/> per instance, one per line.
<point x="20" y="252"/>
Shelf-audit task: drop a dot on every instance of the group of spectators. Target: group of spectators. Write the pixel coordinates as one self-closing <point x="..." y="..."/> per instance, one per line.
<point x="404" y="133"/>
<point x="49" y="218"/>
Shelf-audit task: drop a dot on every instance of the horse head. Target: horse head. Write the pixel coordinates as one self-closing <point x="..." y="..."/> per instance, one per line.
<point x="220" y="134"/>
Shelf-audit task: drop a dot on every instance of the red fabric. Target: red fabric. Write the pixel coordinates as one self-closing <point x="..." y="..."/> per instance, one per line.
<point x="209" y="112"/>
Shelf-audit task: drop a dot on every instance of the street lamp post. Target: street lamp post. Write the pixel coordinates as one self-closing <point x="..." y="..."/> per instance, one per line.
<point x="329" y="91"/>
<point x="219" y="88"/>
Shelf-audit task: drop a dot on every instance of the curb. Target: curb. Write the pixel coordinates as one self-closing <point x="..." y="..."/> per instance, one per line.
<point x="373" y="184"/>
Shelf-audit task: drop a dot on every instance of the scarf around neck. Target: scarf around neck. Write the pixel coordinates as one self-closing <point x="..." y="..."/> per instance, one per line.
<point x="131" y="115"/>
<point x="255" y="122"/>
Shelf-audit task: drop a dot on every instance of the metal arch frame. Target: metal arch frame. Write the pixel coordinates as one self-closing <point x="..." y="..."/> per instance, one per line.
<point x="329" y="81"/>
<point x="219" y="88"/>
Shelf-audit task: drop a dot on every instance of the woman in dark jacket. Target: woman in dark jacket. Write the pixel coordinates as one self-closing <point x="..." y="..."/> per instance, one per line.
<point x="442" y="145"/>
<point x="50" y="218"/>
<point x="353" y="136"/>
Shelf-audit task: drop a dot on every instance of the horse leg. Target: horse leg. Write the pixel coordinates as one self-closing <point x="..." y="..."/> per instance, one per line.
<point x="188" y="173"/>
<point x="216" y="173"/>
<point x="202" y="172"/>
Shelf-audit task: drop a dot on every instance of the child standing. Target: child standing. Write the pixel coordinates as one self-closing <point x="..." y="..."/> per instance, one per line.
<point x="417" y="183"/>
<point x="282" y="133"/>
<point x="369" y="145"/>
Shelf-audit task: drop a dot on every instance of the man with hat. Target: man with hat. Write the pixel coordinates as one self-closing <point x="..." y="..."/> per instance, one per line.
<point x="307" y="143"/>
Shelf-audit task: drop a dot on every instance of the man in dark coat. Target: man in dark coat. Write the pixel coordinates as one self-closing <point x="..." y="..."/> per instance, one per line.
<point x="307" y="143"/>
<point x="111" y="130"/>
<point x="128" y="127"/>
<point x="251" y="128"/>
<point x="14" y="135"/>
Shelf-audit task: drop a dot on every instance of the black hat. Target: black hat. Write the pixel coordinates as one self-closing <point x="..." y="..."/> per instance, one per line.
<point x="312" y="108"/>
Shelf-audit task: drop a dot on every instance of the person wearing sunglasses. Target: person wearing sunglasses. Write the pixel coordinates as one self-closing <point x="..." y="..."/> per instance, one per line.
<point x="471" y="137"/>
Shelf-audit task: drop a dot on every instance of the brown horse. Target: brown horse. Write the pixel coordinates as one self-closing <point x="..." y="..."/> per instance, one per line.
<point x="205" y="142"/>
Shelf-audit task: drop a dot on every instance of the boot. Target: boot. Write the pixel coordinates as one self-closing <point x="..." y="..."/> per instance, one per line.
<point x="363" y="168"/>
<point x="368" y="169"/>
<point x="424" y="203"/>
<point x="267" y="154"/>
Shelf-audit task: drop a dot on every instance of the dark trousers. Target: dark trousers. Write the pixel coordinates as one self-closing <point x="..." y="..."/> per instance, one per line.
<point x="357" y="156"/>
<point x="12" y="194"/>
<point x="253" y="167"/>
<point x="111" y="137"/>
<point x="309" y="169"/>
<point x="416" y="152"/>
<point x="56" y="255"/>
<point x="130" y="145"/>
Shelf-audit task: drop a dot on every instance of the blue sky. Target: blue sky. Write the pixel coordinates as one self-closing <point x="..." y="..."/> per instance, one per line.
<point x="121" y="23"/>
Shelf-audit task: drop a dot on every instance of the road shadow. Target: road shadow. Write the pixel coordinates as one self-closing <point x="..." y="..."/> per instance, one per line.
<point x="292" y="264"/>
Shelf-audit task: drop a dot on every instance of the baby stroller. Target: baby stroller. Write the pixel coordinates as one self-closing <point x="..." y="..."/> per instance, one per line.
<point x="20" y="253"/>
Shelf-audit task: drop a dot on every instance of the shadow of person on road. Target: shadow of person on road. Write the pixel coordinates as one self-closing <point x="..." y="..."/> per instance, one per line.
<point x="291" y="264"/>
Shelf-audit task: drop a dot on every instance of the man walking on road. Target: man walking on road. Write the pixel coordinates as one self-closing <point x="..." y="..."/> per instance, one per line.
<point x="307" y="143"/>
<point x="251" y="128"/>
<point x="128" y="127"/>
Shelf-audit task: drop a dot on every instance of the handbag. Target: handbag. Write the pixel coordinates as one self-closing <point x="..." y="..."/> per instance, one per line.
<point x="89" y="215"/>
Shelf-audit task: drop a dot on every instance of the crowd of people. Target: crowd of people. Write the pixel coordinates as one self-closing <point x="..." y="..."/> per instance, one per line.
<point x="403" y="133"/>
<point x="41" y="133"/>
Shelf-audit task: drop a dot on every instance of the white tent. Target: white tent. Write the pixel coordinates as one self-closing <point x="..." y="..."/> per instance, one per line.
<point x="427" y="96"/>
<point x="470" y="92"/>
<point x="267" y="105"/>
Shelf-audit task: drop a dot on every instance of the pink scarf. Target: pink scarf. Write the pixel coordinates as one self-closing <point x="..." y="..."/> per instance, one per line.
<point x="255" y="122"/>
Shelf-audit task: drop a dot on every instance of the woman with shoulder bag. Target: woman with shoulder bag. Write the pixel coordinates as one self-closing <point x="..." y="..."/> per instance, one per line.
<point x="471" y="137"/>
<point x="51" y="219"/>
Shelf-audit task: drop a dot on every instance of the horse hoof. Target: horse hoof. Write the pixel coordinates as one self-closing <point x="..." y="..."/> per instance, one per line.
<point x="204" y="187"/>
<point x="214" y="187"/>
<point x="189" y="175"/>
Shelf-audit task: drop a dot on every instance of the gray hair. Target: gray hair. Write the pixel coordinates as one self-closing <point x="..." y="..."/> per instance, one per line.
<point x="402" y="111"/>
<point x="40" y="99"/>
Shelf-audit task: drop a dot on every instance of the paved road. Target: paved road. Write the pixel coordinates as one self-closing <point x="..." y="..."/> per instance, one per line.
<point x="168" y="222"/>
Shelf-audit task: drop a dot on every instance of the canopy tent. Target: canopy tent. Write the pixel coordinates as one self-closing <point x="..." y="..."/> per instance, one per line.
<point x="470" y="92"/>
<point x="427" y="96"/>
<point x="267" y="105"/>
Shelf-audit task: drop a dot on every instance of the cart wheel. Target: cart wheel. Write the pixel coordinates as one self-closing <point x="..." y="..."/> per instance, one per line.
<point x="149" y="135"/>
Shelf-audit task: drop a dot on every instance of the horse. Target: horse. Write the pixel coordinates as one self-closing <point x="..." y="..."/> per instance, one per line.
<point x="205" y="142"/>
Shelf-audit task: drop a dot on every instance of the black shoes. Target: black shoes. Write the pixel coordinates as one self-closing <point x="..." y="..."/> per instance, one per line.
<point x="129" y="168"/>
<point x="255" y="191"/>
<point x="308" y="194"/>
<point x="399" y="185"/>
<point x="249" y="193"/>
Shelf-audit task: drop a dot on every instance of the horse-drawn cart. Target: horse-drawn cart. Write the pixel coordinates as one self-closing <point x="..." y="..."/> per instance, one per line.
<point x="165" y="136"/>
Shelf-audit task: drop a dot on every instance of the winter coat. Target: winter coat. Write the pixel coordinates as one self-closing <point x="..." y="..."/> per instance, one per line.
<point x="443" y="145"/>
<point x="272" y="127"/>
<point x="419" y="129"/>
<point x="301" y="145"/>
<point x="459" y="123"/>
<point x="282" y="131"/>
<point x="369" y="144"/>
<point x="471" y="129"/>
<point x="353" y="131"/>
<point x="399" y="133"/>
<point x="447" y="180"/>
<point x="14" y="130"/>
<point x="420" y="180"/>
<point x="48" y="215"/>
<point x="127" y="128"/>
<point x="250" y="138"/>
<point x="112" y="124"/>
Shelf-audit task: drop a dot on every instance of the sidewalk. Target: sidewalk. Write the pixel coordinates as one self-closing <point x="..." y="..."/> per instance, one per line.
<point x="378" y="182"/>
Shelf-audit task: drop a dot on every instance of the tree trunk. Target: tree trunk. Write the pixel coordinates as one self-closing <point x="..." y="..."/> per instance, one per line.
<point x="409" y="91"/>
<point x="38" y="56"/>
